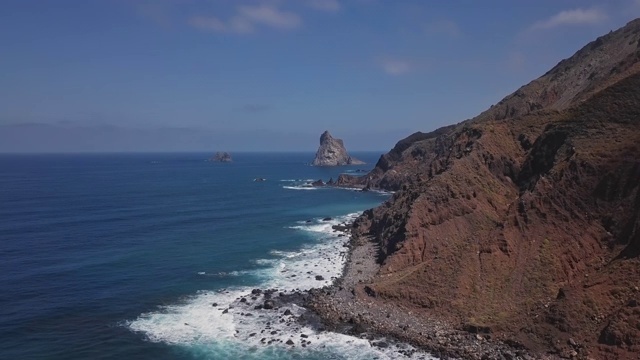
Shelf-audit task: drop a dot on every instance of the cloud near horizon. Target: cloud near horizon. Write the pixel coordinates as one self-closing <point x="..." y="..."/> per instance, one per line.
<point x="571" y="17"/>
<point x="247" y="19"/>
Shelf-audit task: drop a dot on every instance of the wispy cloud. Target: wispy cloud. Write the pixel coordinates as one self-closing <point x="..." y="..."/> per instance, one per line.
<point x="325" y="5"/>
<point x="572" y="17"/>
<point x="395" y="66"/>
<point x="247" y="19"/>
<point x="444" y="27"/>
<point x="212" y="23"/>
<point x="270" y="16"/>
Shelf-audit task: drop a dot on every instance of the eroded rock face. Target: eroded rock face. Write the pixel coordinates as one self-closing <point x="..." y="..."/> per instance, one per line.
<point x="333" y="153"/>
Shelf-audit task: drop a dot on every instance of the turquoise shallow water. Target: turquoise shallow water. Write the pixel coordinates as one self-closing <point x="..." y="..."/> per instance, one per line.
<point x="121" y="255"/>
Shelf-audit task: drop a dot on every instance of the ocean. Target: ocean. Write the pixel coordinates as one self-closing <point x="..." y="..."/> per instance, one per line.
<point x="137" y="256"/>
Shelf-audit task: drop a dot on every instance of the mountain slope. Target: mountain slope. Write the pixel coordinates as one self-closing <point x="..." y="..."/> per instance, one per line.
<point x="596" y="66"/>
<point x="525" y="221"/>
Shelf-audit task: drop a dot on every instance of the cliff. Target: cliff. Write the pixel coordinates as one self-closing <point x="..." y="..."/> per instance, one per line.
<point x="333" y="153"/>
<point x="525" y="220"/>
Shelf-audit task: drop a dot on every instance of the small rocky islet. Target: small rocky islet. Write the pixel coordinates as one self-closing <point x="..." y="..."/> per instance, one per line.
<point x="332" y="152"/>
<point x="221" y="156"/>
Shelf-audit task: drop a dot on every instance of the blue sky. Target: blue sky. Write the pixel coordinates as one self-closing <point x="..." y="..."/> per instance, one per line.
<point x="181" y="75"/>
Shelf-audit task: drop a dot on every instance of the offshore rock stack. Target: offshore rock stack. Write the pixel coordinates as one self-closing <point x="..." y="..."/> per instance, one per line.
<point x="333" y="153"/>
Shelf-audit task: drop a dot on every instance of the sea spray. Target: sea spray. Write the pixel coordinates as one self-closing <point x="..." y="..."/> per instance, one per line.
<point x="269" y="322"/>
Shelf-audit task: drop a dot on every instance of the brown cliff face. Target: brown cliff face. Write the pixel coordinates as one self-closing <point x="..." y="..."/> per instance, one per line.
<point x="526" y="219"/>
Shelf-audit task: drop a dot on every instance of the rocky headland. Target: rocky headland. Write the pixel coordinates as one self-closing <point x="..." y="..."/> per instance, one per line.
<point x="333" y="153"/>
<point x="515" y="233"/>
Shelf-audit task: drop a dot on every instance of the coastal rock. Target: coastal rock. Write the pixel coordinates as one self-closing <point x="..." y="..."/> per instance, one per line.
<point x="333" y="153"/>
<point x="268" y="304"/>
<point x="221" y="156"/>
<point x="340" y="227"/>
<point x="380" y="344"/>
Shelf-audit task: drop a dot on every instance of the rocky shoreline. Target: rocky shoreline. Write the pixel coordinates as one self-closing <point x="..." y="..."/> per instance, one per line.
<point x="349" y="306"/>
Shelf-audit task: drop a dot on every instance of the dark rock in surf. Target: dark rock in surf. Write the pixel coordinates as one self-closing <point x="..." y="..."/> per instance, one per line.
<point x="268" y="304"/>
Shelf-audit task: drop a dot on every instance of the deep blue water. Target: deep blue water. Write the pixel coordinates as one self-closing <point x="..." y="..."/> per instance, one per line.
<point x="109" y="256"/>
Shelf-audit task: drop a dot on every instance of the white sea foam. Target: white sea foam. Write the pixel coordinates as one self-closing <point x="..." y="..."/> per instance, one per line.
<point x="317" y="228"/>
<point x="301" y="187"/>
<point x="207" y="330"/>
<point x="376" y="191"/>
<point x="221" y="274"/>
<point x="309" y="186"/>
<point x="264" y="262"/>
<point x="300" y="184"/>
<point x="225" y="330"/>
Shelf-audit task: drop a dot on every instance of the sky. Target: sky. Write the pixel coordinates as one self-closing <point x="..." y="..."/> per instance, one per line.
<point x="271" y="75"/>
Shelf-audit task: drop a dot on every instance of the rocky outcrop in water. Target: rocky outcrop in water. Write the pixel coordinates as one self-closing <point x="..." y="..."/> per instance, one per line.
<point x="221" y="156"/>
<point x="333" y="153"/>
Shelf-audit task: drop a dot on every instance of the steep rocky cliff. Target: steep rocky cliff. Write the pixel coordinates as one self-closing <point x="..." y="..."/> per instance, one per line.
<point x="333" y="153"/>
<point x="525" y="221"/>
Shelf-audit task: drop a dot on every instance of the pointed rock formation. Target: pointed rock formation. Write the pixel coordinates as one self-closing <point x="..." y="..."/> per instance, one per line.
<point x="332" y="152"/>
